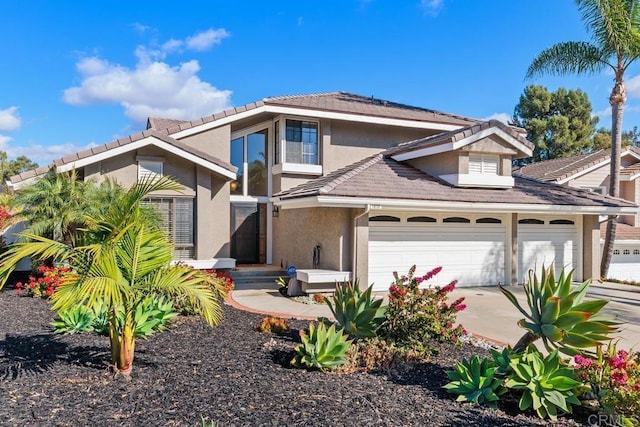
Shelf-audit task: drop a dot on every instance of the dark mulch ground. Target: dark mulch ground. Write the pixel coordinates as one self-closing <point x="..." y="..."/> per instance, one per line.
<point x="231" y="375"/>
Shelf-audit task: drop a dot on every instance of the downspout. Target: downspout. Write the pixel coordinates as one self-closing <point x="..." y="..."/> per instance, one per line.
<point x="355" y="242"/>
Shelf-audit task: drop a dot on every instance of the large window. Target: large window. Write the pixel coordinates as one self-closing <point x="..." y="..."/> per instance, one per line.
<point x="301" y="145"/>
<point x="249" y="155"/>
<point x="177" y="220"/>
<point x="149" y="169"/>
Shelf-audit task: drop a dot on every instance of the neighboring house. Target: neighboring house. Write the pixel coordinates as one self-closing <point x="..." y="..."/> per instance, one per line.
<point x="330" y="179"/>
<point x="591" y="172"/>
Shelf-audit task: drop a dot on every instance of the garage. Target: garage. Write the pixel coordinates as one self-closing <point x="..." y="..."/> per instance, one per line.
<point x="469" y="248"/>
<point x="543" y="241"/>
<point x="625" y="262"/>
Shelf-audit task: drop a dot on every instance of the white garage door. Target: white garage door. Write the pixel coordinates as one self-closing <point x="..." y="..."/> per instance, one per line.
<point x="470" y="250"/>
<point x="543" y="242"/>
<point x="625" y="262"/>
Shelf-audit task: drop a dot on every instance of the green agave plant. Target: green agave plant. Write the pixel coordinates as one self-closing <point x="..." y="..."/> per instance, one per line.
<point x="323" y="348"/>
<point x="502" y="360"/>
<point x="560" y="316"/>
<point x="357" y="312"/>
<point x="78" y="319"/>
<point x="546" y="385"/>
<point x="475" y="381"/>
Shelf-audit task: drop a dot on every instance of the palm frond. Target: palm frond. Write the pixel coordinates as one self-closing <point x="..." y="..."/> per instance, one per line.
<point x="568" y="57"/>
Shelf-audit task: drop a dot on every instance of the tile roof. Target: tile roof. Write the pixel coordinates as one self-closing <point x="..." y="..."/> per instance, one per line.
<point x="381" y="177"/>
<point x="119" y="143"/>
<point x="160" y="123"/>
<point x="559" y="169"/>
<point x="623" y="231"/>
<point x="457" y="135"/>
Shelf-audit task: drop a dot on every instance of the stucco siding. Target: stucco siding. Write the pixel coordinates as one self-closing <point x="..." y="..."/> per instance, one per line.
<point x="297" y="231"/>
<point x="439" y="164"/>
<point x="213" y="216"/>
<point x="215" y="142"/>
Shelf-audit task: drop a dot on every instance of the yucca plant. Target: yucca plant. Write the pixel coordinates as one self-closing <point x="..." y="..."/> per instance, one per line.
<point x="323" y="348"/>
<point x="559" y="315"/>
<point x="547" y="386"/>
<point x="357" y="312"/>
<point x="476" y="381"/>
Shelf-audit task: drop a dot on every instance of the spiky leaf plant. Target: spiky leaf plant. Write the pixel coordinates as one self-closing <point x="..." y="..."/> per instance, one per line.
<point x="475" y="381"/>
<point x="357" y="312"/>
<point x="547" y="386"/>
<point x="323" y="348"/>
<point x="559" y="315"/>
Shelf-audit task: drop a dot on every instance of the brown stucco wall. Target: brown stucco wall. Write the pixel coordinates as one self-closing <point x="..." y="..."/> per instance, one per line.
<point x="440" y="164"/>
<point x="214" y="142"/>
<point x="297" y="231"/>
<point x="344" y="142"/>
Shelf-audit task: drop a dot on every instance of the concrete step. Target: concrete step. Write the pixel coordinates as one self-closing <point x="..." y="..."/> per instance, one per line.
<point x="257" y="276"/>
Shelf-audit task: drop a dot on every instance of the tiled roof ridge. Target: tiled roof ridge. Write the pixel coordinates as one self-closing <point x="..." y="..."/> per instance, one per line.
<point x="576" y="191"/>
<point x="302" y="95"/>
<point x="352" y="170"/>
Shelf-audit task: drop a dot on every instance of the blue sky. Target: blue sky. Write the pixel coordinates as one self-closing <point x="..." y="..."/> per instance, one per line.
<point x="77" y="74"/>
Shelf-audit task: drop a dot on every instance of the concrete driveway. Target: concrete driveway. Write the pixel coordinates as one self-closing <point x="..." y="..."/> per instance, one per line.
<point x="491" y="315"/>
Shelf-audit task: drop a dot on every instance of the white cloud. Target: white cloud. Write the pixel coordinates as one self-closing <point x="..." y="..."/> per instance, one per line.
<point x="9" y="119"/>
<point x="432" y="7"/>
<point x="632" y="86"/>
<point x="503" y="117"/>
<point x="41" y="154"/>
<point x="152" y="88"/>
<point x="206" y="39"/>
<point x="140" y="28"/>
<point x="602" y="113"/>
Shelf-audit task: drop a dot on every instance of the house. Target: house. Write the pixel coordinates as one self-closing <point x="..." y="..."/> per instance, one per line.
<point x="591" y="172"/>
<point x="357" y="186"/>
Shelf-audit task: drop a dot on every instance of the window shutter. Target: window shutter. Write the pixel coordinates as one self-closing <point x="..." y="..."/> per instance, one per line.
<point x="147" y="168"/>
<point x="184" y="222"/>
<point x="475" y="164"/>
<point x="484" y="164"/>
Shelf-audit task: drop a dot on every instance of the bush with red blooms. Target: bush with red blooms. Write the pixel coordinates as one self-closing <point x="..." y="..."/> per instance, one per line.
<point x="4" y="216"/>
<point x="613" y="378"/>
<point x="223" y="280"/>
<point x="43" y="282"/>
<point x="416" y="314"/>
<point x="223" y="285"/>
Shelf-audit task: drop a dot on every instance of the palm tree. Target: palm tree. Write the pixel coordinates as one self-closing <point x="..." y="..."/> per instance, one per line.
<point x="121" y="259"/>
<point x="614" y="26"/>
<point x="54" y="206"/>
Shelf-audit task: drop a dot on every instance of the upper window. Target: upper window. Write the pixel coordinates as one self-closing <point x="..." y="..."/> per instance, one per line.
<point x="249" y="155"/>
<point x="484" y="163"/>
<point x="149" y="169"/>
<point x="301" y="145"/>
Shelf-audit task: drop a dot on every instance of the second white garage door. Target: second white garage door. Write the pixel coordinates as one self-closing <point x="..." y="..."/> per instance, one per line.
<point x="469" y="249"/>
<point x="544" y="242"/>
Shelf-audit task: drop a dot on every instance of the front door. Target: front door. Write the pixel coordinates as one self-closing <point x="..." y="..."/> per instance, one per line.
<point x="248" y="227"/>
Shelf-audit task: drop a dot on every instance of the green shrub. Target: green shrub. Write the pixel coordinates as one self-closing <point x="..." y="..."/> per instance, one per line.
<point x="414" y="315"/>
<point x="558" y="314"/>
<point x="356" y="312"/>
<point x="547" y="386"/>
<point x="323" y="348"/>
<point x="475" y="381"/>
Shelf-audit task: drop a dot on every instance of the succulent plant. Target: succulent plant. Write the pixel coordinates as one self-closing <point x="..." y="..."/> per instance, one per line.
<point x="78" y="319"/>
<point x="272" y="324"/>
<point x="547" y="386"/>
<point x="502" y="360"/>
<point x="475" y="381"/>
<point x="559" y="315"/>
<point x="357" y="312"/>
<point x="323" y="348"/>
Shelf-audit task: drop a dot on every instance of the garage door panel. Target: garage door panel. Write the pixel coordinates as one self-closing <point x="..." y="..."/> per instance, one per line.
<point x="540" y="244"/>
<point x="472" y="255"/>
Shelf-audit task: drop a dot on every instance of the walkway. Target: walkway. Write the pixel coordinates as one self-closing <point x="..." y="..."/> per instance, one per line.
<point x="488" y="314"/>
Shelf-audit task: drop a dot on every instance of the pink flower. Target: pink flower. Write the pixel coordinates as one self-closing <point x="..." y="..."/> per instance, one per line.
<point x="619" y="377"/>
<point x="432" y="273"/>
<point x="583" y="362"/>
<point x="419" y="280"/>
<point x="460" y="307"/>
<point x="620" y="361"/>
<point x="450" y="287"/>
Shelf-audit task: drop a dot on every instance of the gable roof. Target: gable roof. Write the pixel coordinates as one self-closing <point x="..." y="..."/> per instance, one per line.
<point x="380" y="179"/>
<point x="158" y="123"/>
<point x="458" y="138"/>
<point x="123" y="145"/>
<point x="563" y="169"/>
<point x="623" y="232"/>
<point x="347" y="105"/>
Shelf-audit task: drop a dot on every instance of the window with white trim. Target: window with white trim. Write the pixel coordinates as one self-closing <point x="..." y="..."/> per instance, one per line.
<point x="149" y="169"/>
<point x="301" y="142"/>
<point x="487" y="164"/>
<point x="176" y="214"/>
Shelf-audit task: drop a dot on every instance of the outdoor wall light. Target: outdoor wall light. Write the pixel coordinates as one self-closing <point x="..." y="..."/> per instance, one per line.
<point x="275" y="212"/>
<point x="234" y="185"/>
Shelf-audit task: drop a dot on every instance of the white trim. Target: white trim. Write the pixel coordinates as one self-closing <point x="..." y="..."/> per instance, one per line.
<point x="317" y="114"/>
<point x="451" y="146"/>
<point x="479" y="180"/>
<point x="150" y="140"/>
<point x="623" y="242"/>
<point x="238" y="198"/>
<point x="629" y="177"/>
<point x="267" y="124"/>
<point x="446" y="206"/>
<point x="297" y="168"/>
